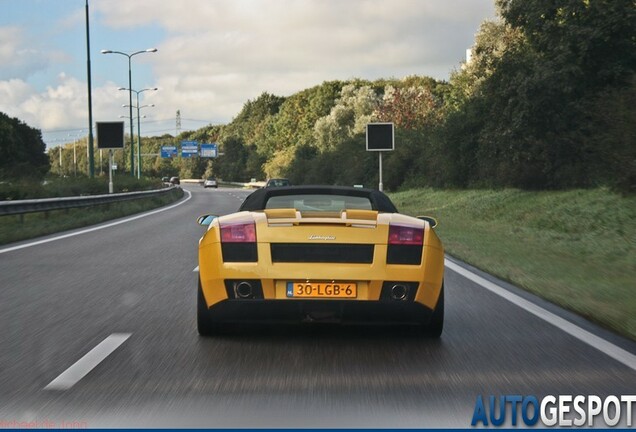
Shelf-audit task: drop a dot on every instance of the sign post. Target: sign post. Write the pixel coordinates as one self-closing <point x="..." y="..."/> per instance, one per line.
<point x="380" y="138"/>
<point x="110" y="171"/>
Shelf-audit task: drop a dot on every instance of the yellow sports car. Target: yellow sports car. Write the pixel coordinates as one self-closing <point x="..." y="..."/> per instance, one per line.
<point x="320" y="254"/>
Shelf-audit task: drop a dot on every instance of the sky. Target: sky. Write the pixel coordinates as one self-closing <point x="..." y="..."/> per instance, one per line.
<point x="212" y="55"/>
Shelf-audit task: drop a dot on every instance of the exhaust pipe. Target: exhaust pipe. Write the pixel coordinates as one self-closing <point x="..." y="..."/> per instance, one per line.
<point x="399" y="292"/>
<point x="243" y="290"/>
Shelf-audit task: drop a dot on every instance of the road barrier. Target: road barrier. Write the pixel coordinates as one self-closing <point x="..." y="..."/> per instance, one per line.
<point x="20" y="207"/>
<point x="249" y="185"/>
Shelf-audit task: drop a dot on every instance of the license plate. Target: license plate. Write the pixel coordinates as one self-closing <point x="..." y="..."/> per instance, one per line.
<point x="322" y="289"/>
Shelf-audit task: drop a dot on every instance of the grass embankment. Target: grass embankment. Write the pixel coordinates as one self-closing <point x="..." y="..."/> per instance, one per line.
<point x="39" y="224"/>
<point x="575" y="248"/>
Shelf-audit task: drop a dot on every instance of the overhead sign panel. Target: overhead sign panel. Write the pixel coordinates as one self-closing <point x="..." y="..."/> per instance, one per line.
<point x="208" y="150"/>
<point x="189" y="149"/>
<point x="110" y="135"/>
<point x="380" y="137"/>
<point x="168" y="151"/>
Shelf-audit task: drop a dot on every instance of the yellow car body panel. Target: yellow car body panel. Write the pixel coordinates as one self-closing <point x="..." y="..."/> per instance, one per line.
<point x="348" y="227"/>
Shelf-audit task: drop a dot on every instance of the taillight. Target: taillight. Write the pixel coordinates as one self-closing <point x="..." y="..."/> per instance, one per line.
<point x="406" y="235"/>
<point x="405" y="245"/>
<point x="238" y="242"/>
<point x="239" y="233"/>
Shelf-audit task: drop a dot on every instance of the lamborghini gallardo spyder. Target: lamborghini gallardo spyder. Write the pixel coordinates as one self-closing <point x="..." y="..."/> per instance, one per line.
<point x="320" y="254"/>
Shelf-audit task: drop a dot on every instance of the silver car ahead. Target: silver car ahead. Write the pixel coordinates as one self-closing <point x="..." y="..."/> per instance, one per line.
<point x="211" y="182"/>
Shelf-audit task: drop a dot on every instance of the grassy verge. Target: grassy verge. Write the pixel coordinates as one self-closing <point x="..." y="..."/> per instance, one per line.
<point x="574" y="248"/>
<point x="39" y="224"/>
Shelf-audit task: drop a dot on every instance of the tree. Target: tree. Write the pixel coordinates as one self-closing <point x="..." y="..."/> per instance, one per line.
<point x="22" y="149"/>
<point x="348" y="117"/>
<point x="591" y="42"/>
<point x="409" y="107"/>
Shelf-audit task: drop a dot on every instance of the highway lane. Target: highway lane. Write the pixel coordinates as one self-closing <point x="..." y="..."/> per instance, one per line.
<point x="61" y="299"/>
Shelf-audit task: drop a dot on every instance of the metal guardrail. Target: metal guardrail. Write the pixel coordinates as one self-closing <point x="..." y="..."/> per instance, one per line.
<point x="20" y="207"/>
<point x="249" y="185"/>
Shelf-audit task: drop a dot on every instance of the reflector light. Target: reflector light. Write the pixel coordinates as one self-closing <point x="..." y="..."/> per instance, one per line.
<point x="239" y="233"/>
<point x="405" y="235"/>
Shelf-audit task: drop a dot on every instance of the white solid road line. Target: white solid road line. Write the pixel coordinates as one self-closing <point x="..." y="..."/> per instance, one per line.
<point x="196" y="269"/>
<point x="608" y="348"/>
<point x="96" y="228"/>
<point x="83" y="366"/>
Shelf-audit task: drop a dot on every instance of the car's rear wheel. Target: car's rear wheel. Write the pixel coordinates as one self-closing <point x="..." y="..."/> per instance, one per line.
<point x="436" y="324"/>
<point x="206" y="325"/>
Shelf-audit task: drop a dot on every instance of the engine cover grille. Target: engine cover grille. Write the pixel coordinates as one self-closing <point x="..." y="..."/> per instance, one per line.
<point x="322" y="253"/>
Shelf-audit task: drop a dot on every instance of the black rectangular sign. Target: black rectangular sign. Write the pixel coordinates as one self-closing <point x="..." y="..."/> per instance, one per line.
<point x="380" y="137"/>
<point x="110" y="135"/>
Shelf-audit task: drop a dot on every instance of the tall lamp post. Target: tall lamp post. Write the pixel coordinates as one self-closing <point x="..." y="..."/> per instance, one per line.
<point x="139" y="123"/>
<point x="75" y="139"/>
<point x="130" y="56"/>
<point x="89" y="143"/>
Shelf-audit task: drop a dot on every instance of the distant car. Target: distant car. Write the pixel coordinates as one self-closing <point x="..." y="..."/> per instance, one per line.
<point x="277" y="182"/>
<point x="175" y="181"/>
<point x="211" y="182"/>
<point x="319" y="254"/>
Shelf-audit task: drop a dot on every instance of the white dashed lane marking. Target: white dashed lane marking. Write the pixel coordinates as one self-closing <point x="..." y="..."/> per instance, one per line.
<point x="83" y="366"/>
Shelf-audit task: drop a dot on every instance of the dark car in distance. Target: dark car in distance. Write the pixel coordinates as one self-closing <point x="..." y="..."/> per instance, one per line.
<point x="277" y="182"/>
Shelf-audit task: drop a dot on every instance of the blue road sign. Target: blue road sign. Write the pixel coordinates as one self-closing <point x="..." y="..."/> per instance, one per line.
<point x="208" y="150"/>
<point x="189" y="149"/>
<point x="168" y="151"/>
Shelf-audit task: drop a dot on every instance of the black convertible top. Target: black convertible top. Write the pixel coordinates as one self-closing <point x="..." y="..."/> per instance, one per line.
<point x="258" y="199"/>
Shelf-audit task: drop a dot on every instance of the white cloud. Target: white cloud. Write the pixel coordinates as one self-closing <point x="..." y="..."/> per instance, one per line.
<point x="218" y="54"/>
<point x="20" y="56"/>
<point x="62" y="106"/>
<point x="18" y="60"/>
<point x="215" y="55"/>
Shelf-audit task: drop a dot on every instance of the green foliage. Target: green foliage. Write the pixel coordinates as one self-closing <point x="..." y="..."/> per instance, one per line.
<point x="531" y="107"/>
<point x="234" y="160"/>
<point x="347" y="118"/>
<point x="22" y="150"/>
<point x="249" y="123"/>
<point x="294" y="123"/>
<point x="591" y="42"/>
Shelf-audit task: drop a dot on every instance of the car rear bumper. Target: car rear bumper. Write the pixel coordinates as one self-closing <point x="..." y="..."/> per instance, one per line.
<point x="341" y="311"/>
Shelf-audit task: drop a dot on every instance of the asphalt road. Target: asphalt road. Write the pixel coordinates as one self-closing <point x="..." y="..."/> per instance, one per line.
<point x="132" y="286"/>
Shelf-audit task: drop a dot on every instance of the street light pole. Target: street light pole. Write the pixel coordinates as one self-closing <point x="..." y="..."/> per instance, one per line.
<point x="139" y="124"/>
<point x="89" y="144"/>
<point x="132" y="151"/>
<point x="138" y="140"/>
<point x="130" y="56"/>
<point x="75" y="139"/>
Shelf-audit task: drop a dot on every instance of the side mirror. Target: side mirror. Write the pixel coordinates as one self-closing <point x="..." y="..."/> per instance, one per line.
<point x="206" y="220"/>
<point x="431" y="220"/>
